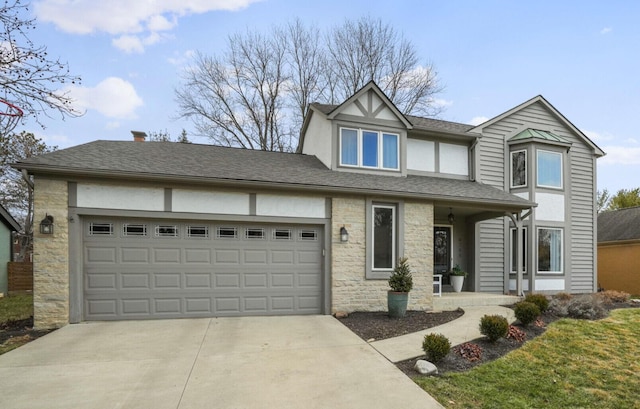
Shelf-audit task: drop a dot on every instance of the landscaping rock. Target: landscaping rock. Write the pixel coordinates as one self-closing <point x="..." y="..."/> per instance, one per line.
<point x="341" y="314"/>
<point x="425" y="367"/>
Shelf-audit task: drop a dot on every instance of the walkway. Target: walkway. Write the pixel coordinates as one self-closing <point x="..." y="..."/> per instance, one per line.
<point x="461" y="330"/>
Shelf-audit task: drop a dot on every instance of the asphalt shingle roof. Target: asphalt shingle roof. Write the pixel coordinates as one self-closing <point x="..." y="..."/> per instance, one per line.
<point x="616" y="225"/>
<point x="214" y="164"/>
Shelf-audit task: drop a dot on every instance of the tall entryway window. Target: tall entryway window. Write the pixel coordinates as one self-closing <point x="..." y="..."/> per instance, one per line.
<point x="441" y="249"/>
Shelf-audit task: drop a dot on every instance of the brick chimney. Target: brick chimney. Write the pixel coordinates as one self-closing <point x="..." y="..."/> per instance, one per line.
<point x="139" y="136"/>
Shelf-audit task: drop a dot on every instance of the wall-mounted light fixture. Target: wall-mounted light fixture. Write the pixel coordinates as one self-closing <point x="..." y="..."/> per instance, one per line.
<point x="46" y="225"/>
<point x="344" y="235"/>
<point x="451" y="217"/>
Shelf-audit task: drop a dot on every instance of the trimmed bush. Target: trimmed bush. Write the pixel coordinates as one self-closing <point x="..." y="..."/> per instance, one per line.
<point x="588" y="307"/>
<point x="494" y="327"/>
<point x="538" y="299"/>
<point x="436" y="347"/>
<point x="611" y="296"/>
<point x="526" y="312"/>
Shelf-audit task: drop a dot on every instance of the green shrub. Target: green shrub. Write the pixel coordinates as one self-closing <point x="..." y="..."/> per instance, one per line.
<point x="526" y="312"/>
<point x="538" y="299"/>
<point x="494" y="327"/>
<point x="436" y="347"/>
<point x="401" y="280"/>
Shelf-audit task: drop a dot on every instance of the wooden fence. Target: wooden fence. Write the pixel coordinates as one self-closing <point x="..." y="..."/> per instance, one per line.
<point x="20" y="276"/>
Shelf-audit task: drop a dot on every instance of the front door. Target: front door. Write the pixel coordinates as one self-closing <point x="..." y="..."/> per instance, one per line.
<point x="442" y="251"/>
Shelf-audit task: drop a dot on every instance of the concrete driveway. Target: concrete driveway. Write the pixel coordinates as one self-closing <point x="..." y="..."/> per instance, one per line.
<point x="262" y="362"/>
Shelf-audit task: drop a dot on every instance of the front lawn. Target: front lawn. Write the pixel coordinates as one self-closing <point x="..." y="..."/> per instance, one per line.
<point x="574" y="364"/>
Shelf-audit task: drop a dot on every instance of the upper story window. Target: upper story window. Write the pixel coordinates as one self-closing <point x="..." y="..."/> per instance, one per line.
<point x="369" y="149"/>
<point x="518" y="169"/>
<point x="549" y="169"/>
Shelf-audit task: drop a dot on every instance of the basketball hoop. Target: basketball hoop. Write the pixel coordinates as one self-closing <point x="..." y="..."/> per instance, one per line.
<point x="10" y="117"/>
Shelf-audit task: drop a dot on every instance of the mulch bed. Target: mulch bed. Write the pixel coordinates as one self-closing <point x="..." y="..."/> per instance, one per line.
<point x="377" y="325"/>
<point x="19" y="331"/>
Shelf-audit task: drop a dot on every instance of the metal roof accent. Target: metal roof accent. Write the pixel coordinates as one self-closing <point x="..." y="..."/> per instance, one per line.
<point x="532" y="134"/>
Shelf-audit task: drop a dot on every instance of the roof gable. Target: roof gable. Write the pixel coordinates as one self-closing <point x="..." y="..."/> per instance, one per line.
<point x="371" y="103"/>
<point x="541" y="100"/>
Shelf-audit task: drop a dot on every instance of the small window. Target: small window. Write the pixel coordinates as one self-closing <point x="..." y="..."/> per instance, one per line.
<point x="100" y="229"/>
<point x="549" y="169"/>
<point x="518" y="169"/>
<point x="254" y="234"/>
<point x="369" y="149"/>
<point x="166" y="231"/>
<point x="282" y="234"/>
<point x="383" y="241"/>
<point x="227" y="233"/>
<point x="134" y="229"/>
<point x="198" y="232"/>
<point x="513" y="253"/>
<point x="308" y="235"/>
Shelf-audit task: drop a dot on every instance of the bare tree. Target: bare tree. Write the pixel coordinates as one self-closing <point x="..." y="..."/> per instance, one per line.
<point x="236" y="99"/>
<point x="165" y="136"/>
<point x="30" y="79"/>
<point x="16" y="194"/>
<point x="367" y="50"/>
<point x="257" y="93"/>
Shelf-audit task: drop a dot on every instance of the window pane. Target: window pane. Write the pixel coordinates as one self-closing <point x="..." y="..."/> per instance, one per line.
<point x="549" y="169"/>
<point x="390" y="151"/>
<point x="369" y="149"/>
<point x="383" y="233"/>
<point x="349" y="154"/>
<point x="514" y="255"/>
<point x="550" y="250"/>
<point x="518" y="169"/>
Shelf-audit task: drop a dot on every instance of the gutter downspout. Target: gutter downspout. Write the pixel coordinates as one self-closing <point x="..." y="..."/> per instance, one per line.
<point x="25" y="176"/>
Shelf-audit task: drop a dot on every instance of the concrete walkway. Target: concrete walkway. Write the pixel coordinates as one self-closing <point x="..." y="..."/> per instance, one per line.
<point x="461" y="330"/>
<point x="250" y="362"/>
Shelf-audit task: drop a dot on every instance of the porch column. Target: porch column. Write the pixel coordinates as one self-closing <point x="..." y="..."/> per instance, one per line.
<point x="517" y="219"/>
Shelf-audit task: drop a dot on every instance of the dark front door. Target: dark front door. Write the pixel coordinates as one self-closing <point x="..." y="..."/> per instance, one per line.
<point x="442" y="251"/>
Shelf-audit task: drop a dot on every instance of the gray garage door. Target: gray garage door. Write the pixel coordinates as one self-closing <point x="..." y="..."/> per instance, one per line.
<point x="143" y="269"/>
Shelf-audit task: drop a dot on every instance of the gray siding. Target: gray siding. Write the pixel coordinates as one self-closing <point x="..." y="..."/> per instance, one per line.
<point x="579" y="199"/>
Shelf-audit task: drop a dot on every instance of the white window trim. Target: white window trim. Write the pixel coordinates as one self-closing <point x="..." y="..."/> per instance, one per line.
<point x="538" y="184"/>
<point x="394" y="216"/>
<point x="561" y="251"/>
<point x="360" y="147"/>
<point x="524" y="253"/>
<point x="526" y="169"/>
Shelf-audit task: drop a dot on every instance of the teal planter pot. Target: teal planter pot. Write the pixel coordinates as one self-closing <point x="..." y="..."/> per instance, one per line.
<point x="397" y="304"/>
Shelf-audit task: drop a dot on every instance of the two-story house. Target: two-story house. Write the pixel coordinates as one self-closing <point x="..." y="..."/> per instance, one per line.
<point x="161" y="230"/>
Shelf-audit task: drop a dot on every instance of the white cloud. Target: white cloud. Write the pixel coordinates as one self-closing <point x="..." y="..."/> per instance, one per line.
<point x="606" y="30"/>
<point x="477" y="120"/>
<point x="113" y="97"/>
<point x="181" y="59"/>
<point x="620" y="155"/>
<point x="599" y="137"/>
<point x="125" y="19"/>
<point x="442" y="103"/>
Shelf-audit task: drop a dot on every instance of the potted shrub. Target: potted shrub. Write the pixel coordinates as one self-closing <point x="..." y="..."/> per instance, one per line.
<point x="457" y="276"/>
<point x="401" y="282"/>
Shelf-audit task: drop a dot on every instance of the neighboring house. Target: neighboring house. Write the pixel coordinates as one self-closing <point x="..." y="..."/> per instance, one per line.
<point x="161" y="230"/>
<point x="8" y="226"/>
<point x="619" y="250"/>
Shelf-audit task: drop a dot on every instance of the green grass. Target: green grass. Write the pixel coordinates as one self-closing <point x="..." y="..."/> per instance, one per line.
<point x="16" y="307"/>
<point x="574" y="364"/>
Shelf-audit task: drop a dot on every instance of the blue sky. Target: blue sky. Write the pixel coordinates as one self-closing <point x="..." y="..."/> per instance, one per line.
<point x="582" y="56"/>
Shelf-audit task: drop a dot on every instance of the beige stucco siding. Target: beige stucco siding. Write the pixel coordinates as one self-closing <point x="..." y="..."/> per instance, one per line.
<point x="51" y="256"/>
<point x="351" y="291"/>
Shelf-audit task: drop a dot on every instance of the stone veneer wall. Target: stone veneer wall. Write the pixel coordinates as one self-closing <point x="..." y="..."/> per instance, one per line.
<point x="51" y="255"/>
<point x="351" y="291"/>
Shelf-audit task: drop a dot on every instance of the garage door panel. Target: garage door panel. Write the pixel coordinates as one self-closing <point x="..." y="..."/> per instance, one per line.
<point x="134" y="255"/>
<point x="261" y="273"/>
<point x="106" y="255"/>
<point x="227" y="256"/>
<point x="166" y="256"/>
